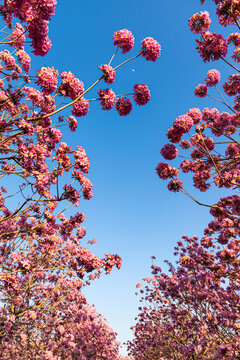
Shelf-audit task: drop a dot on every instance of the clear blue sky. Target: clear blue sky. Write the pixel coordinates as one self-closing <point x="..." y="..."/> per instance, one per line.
<point x="132" y="213"/>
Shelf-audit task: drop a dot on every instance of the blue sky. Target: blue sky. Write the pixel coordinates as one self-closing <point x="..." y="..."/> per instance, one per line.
<point x="132" y="213"/>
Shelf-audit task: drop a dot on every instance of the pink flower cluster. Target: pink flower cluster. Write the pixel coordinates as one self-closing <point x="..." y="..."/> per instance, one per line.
<point x="195" y="114"/>
<point x="107" y="98"/>
<point x="150" y="49"/>
<point x="169" y="152"/>
<point x="213" y="77"/>
<point x="47" y="78"/>
<point x="228" y="12"/>
<point x="70" y="86"/>
<point x="36" y="14"/>
<point x="141" y="94"/>
<point x="199" y="23"/>
<point x="80" y="108"/>
<point x="25" y="60"/>
<point x="212" y="47"/>
<point x="201" y="90"/>
<point x="17" y="38"/>
<point x="81" y="160"/>
<point x="123" y="106"/>
<point x="8" y="59"/>
<point x="108" y="73"/>
<point x="124" y="39"/>
<point x="234" y="39"/>
<point x="166" y="171"/>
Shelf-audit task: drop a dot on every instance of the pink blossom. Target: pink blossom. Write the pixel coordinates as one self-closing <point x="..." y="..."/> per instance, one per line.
<point x="107" y="98"/>
<point x="150" y="49"/>
<point x="72" y="122"/>
<point x="81" y="160"/>
<point x="185" y="144"/>
<point x="86" y="186"/>
<point x="186" y="166"/>
<point x="25" y="60"/>
<point x="124" y="39"/>
<point x="166" y="171"/>
<point x="81" y="232"/>
<point x="123" y="106"/>
<point x="8" y="59"/>
<point x="201" y="90"/>
<point x="141" y="94"/>
<point x="80" y="108"/>
<point x="38" y="32"/>
<point x="199" y="23"/>
<point x="232" y="86"/>
<point x="47" y="78"/>
<point x="108" y="73"/>
<point x="175" y="134"/>
<point x="225" y="10"/>
<point x="195" y="114"/>
<point x="206" y="242"/>
<point x="236" y="55"/>
<point x="17" y="38"/>
<point x="183" y="123"/>
<point x="46" y="8"/>
<point x="175" y="185"/>
<point x="169" y="152"/>
<point x="212" y="47"/>
<point x="186" y="261"/>
<point x="234" y="39"/>
<point x="70" y="86"/>
<point x="213" y="77"/>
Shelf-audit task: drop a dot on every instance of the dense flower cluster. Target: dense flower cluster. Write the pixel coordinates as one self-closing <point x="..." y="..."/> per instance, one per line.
<point x="108" y="73"/>
<point x="107" y="98"/>
<point x="191" y="302"/>
<point x="199" y="23"/>
<point x="183" y="123"/>
<point x="141" y="94"/>
<point x="8" y="59"/>
<point x="36" y="14"/>
<point x="195" y="114"/>
<point x="70" y="86"/>
<point x="124" y="39"/>
<point x="169" y="152"/>
<point x="47" y="78"/>
<point x="123" y="106"/>
<point x="150" y="49"/>
<point x="212" y="47"/>
<point x="17" y="38"/>
<point x="234" y="39"/>
<point x="236" y="55"/>
<point x="166" y="171"/>
<point x="72" y="121"/>
<point x="25" y="60"/>
<point x="201" y="90"/>
<point x="80" y="108"/>
<point x="213" y="77"/>
<point x="228" y="12"/>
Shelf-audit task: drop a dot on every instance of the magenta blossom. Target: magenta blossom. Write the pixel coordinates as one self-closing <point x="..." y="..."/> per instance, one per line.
<point x="150" y="49"/>
<point x="141" y="94"/>
<point x="123" y="106"/>
<point x="124" y="39"/>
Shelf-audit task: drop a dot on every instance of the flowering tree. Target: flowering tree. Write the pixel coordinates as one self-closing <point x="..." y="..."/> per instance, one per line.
<point x="193" y="311"/>
<point x="43" y="261"/>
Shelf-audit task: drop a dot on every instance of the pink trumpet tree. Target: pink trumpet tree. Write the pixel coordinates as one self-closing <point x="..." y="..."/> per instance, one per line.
<point x="44" y="263"/>
<point x="192" y="312"/>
